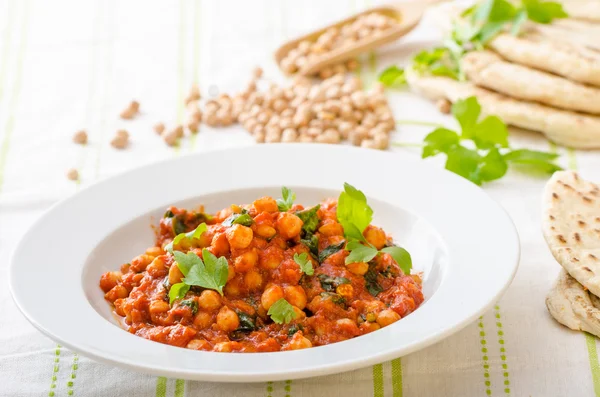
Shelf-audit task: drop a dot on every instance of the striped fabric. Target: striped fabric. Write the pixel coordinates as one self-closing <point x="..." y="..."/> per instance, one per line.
<point x="67" y="65"/>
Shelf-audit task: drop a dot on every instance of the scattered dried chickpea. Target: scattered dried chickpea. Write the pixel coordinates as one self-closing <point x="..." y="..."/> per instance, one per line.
<point x="159" y="128"/>
<point x="120" y="140"/>
<point x="73" y="174"/>
<point x="444" y="105"/>
<point x="80" y="137"/>
<point x="130" y="111"/>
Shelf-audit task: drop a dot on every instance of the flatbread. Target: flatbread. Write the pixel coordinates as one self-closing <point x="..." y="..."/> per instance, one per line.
<point x="571" y="226"/>
<point x="572" y="306"/>
<point x="489" y="70"/>
<point x="583" y="9"/>
<point x="564" y="127"/>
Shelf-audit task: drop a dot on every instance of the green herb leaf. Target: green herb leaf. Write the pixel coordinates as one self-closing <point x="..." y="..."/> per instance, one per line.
<point x="312" y="242"/>
<point x="353" y="212"/>
<point x="211" y="273"/>
<point x="295" y="328"/>
<point x="371" y="283"/>
<point x="359" y="252"/>
<point x="329" y="283"/>
<point x="282" y="312"/>
<point x="246" y="322"/>
<point x="518" y="22"/>
<point x="335" y="298"/>
<point x="393" y="77"/>
<point x="441" y="140"/>
<point x="191" y="303"/>
<point x="544" y="11"/>
<point x="285" y="203"/>
<point x="466" y="112"/>
<point x="194" y="234"/>
<point x="305" y="263"/>
<point x="533" y="161"/>
<point x="401" y="256"/>
<point x="492" y="166"/>
<point x="243" y="218"/>
<point x="330" y="250"/>
<point x="464" y="162"/>
<point x="310" y="219"/>
<point x="494" y="11"/>
<point x="490" y="132"/>
<point x="178" y="291"/>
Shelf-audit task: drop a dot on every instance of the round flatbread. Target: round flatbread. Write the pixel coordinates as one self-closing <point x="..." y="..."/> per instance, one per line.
<point x="572" y="306"/>
<point x="571" y="226"/>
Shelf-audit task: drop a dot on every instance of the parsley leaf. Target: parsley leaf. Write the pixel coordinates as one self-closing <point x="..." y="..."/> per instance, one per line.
<point x="178" y="291"/>
<point x="393" y="77"/>
<point x="467" y="112"/>
<point x="285" y="204"/>
<point x="310" y="219"/>
<point x="544" y="11"/>
<point x="440" y="140"/>
<point x="194" y="234"/>
<point x="211" y="273"/>
<point x="282" y="312"/>
<point x="353" y="212"/>
<point x="359" y="252"/>
<point x="401" y="256"/>
<point x="305" y="263"/>
<point x="330" y="250"/>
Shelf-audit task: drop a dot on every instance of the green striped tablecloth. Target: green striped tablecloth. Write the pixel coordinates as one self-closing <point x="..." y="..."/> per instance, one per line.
<point x="66" y="65"/>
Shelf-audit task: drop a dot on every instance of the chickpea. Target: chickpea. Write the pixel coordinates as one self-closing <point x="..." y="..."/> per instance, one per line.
<point x="220" y="244"/>
<point x="270" y="296"/>
<point x="239" y="236"/>
<point x="158" y="306"/>
<point x="330" y="135"/>
<point x="198" y="344"/>
<point x="246" y="261"/>
<point x="375" y="236"/>
<point x="345" y="290"/>
<point x="109" y="280"/>
<point x="367" y="327"/>
<point x="140" y="262"/>
<point x="80" y="137"/>
<point x="232" y="288"/>
<point x="358" y="268"/>
<point x="154" y="251"/>
<point x="295" y="295"/>
<point x="175" y="274"/>
<point x="271" y="257"/>
<point x="203" y="320"/>
<point x="265" y="204"/>
<point x="387" y="317"/>
<point x="130" y="111"/>
<point x="298" y="342"/>
<point x="73" y="174"/>
<point x="289" y="135"/>
<point x="444" y="105"/>
<point x="331" y="228"/>
<point x="209" y="300"/>
<point x="257" y="72"/>
<point x="120" y="141"/>
<point x="265" y="231"/>
<point x="224" y="347"/>
<point x="158" y="267"/>
<point x="253" y="280"/>
<point x="288" y="225"/>
<point x="117" y="292"/>
<point x="227" y="320"/>
<point x="382" y="140"/>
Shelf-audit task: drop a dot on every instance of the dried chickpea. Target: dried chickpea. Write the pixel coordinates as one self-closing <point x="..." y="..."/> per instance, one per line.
<point x="270" y="296"/>
<point x="130" y="111"/>
<point x="121" y="140"/>
<point x="80" y="137"/>
<point x="387" y="317"/>
<point x="239" y="236"/>
<point x="444" y="105"/>
<point x="289" y="135"/>
<point x="73" y="174"/>
<point x="159" y="128"/>
<point x="227" y="320"/>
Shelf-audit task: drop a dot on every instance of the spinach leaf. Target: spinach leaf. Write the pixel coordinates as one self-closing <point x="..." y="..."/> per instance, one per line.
<point x="246" y="322"/>
<point x="295" y="328"/>
<point x="371" y="282"/>
<point x="192" y="304"/>
<point x="329" y="283"/>
<point x="335" y="298"/>
<point x="310" y="219"/>
<point x="169" y="214"/>
<point x="332" y="249"/>
<point x="312" y="242"/>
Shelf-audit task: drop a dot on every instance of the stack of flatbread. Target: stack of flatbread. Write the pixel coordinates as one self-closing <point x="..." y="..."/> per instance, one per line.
<point x="546" y="80"/>
<point x="571" y="226"/>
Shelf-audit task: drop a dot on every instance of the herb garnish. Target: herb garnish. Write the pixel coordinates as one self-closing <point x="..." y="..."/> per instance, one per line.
<point x="243" y="218"/>
<point x="487" y="155"/>
<point x="371" y="282"/>
<point x="285" y="204"/>
<point x="364" y="253"/>
<point x="329" y="283"/>
<point x="309" y="218"/>
<point x="330" y="250"/>
<point x="305" y="263"/>
<point x="209" y="273"/>
<point x="312" y="243"/>
<point x="194" y="234"/>
<point x="191" y="303"/>
<point x="353" y="212"/>
<point x="282" y="312"/>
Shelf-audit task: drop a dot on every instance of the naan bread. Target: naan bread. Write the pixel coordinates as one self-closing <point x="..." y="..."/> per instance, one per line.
<point x="561" y="126"/>
<point x="571" y="226"/>
<point x="571" y="305"/>
<point x="583" y="9"/>
<point x="489" y="70"/>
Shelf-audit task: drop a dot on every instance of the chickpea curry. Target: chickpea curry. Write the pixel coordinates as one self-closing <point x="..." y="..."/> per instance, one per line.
<point x="269" y="276"/>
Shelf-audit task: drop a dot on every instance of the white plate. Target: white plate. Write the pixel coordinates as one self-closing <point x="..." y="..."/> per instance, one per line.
<point x="465" y="244"/>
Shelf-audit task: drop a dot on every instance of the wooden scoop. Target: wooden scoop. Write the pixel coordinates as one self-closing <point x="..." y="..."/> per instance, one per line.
<point x="407" y="14"/>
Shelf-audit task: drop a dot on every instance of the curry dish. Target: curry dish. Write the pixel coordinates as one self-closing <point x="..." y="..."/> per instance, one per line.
<point x="268" y="276"/>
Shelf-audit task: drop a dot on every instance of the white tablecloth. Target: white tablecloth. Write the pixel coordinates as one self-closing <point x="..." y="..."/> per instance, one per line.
<point x="67" y="65"/>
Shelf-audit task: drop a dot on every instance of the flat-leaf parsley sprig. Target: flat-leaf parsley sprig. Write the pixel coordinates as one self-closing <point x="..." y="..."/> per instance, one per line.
<point x="480" y="152"/>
